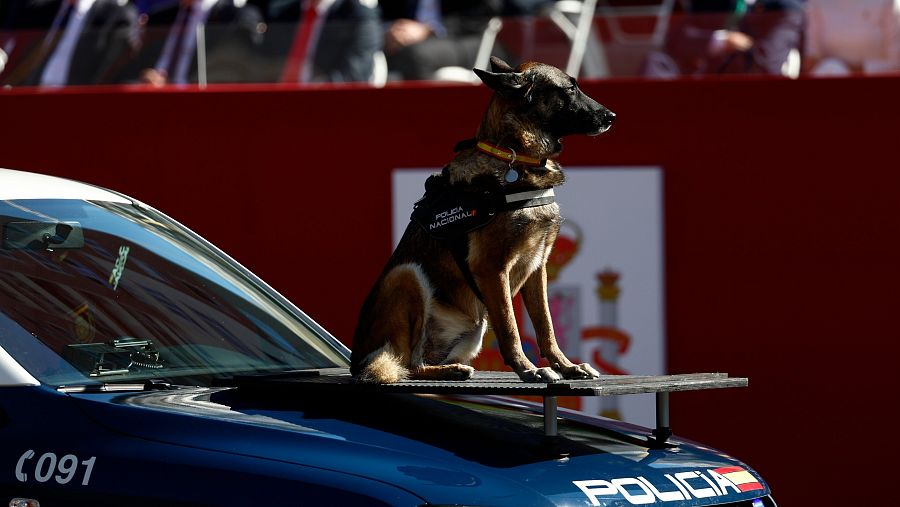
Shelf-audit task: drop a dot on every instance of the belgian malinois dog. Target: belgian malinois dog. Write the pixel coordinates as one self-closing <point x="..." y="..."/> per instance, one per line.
<point x="482" y="232"/>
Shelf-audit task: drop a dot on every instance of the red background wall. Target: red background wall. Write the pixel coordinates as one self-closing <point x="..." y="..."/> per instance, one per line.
<point x="781" y="223"/>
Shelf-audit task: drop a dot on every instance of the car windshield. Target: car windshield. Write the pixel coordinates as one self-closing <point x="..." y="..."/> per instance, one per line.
<point x="100" y="292"/>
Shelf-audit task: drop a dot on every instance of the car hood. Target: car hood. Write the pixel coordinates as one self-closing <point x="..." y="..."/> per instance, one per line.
<point x="461" y="451"/>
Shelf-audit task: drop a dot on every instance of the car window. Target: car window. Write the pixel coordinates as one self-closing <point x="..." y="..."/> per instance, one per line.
<point x="111" y="291"/>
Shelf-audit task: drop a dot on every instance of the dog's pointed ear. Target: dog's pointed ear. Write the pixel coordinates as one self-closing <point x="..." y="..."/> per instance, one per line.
<point x="498" y="65"/>
<point x="504" y="79"/>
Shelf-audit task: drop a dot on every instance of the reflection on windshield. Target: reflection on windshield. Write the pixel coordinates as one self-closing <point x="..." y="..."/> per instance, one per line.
<point x="138" y="298"/>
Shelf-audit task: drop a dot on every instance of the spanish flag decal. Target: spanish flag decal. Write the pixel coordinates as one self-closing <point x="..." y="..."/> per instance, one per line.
<point x="744" y="480"/>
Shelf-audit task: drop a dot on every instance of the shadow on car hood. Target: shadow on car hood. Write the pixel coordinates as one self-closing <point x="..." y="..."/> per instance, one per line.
<point x="444" y="450"/>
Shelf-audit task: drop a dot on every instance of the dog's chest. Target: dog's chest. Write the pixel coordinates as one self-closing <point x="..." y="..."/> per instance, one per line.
<point x="528" y="225"/>
<point x="534" y="231"/>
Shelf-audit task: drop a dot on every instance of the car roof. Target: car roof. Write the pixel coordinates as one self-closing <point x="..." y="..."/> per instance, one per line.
<point x="15" y="185"/>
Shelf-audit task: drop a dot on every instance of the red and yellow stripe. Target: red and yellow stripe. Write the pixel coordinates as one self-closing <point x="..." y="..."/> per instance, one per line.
<point x="744" y="480"/>
<point x="508" y="156"/>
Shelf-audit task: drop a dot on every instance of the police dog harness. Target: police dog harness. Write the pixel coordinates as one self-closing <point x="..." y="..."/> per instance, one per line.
<point x="449" y="212"/>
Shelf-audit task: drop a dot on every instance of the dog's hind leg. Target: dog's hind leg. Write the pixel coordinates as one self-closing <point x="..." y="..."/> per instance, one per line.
<point x="456" y="371"/>
<point x="454" y="338"/>
<point x="396" y="322"/>
<point x="534" y="295"/>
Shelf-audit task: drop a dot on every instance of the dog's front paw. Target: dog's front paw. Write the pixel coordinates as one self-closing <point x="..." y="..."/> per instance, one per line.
<point x="581" y="371"/>
<point x="539" y="375"/>
<point x="460" y="372"/>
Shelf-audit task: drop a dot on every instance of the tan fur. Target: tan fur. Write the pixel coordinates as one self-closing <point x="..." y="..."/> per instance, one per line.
<point x="384" y="368"/>
<point x="422" y="320"/>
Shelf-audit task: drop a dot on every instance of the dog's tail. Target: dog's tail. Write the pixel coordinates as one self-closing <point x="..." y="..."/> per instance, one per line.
<point x="385" y="367"/>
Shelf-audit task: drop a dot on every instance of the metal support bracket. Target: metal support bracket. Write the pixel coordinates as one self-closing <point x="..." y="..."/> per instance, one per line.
<point x="663" y="431"/>
<point x="550" y="413"/>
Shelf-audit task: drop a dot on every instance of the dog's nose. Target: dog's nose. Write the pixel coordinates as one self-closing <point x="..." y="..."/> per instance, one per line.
<point x="610" y="116"/>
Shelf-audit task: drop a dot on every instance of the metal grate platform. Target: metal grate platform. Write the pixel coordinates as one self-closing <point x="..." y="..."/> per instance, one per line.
<point x="339" y="381"/>
<point x="508" y="383"/>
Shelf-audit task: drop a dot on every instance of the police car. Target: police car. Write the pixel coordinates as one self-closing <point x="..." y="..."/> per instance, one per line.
<point x="140" y="365"/>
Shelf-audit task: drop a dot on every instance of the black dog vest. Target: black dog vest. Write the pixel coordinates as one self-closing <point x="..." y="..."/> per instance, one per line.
<point x="449" y="212"/>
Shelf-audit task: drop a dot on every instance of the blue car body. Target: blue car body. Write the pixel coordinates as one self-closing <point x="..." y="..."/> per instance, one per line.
<point x="80" y="428"/>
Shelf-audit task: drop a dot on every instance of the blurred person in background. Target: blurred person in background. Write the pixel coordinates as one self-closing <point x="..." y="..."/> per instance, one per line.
<point x="852" y="36"/>
<point x="422" y="36"/>
<point x="732" y="37"/>
<point x="66" y="42"/>
<point x="232" y="32"/>
<point x="8" y="36"/>
<point x="314" y="41"/>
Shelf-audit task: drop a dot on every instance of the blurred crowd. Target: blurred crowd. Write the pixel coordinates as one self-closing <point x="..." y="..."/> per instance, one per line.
<point x="161" y="42"/>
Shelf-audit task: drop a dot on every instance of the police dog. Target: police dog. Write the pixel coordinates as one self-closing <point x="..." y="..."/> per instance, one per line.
<point x="428" y="311"/>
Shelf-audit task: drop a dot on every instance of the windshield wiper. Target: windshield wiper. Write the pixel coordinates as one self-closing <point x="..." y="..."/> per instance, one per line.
<point x="113" y="358"/>
<point x="113" y="387"/>
<point x="253" y="378"/>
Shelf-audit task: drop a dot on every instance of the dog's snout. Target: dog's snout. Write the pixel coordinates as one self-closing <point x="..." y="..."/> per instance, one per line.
<point x="603" y="120"/>
<point x="610" y="117"/>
